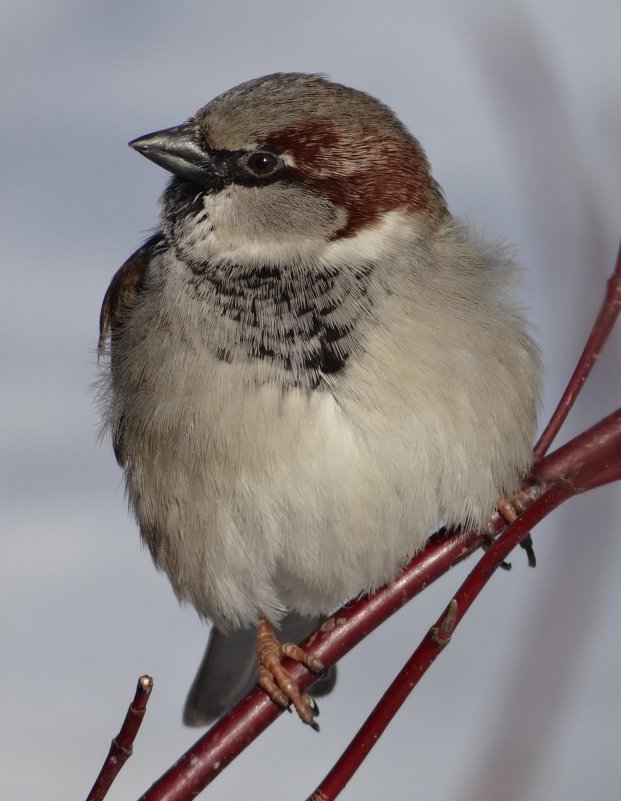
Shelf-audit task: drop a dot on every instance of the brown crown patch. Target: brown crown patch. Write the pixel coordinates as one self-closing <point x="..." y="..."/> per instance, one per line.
<point x="366" y="171"/>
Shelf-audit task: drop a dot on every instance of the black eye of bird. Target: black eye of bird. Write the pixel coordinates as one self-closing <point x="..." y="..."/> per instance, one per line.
<point x="261" y="163"/>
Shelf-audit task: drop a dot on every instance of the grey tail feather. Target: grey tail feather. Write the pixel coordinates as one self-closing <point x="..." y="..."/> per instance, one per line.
<point x="228" y="670"/>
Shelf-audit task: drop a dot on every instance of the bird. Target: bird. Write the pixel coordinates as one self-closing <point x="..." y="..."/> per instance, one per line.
<point x="308" y="368"/>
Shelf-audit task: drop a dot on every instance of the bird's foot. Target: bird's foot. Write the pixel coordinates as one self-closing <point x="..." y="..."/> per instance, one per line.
<point x="509" y="509"/>
<point x="277" y="681"/>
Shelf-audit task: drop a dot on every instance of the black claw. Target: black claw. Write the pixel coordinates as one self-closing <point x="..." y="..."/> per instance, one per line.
<point x="313" y="705"/>
<point x="505" y="565"/>
<point x="314" y="725"/>
<point x="527" y="544"/>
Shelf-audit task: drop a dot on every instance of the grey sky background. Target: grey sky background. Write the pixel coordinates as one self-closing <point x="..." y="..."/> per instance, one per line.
<point x="518" y="105"/>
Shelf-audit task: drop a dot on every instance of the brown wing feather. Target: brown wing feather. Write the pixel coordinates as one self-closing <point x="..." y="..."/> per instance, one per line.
<point x="124" y="286"/>
<point x="116" y="304"/>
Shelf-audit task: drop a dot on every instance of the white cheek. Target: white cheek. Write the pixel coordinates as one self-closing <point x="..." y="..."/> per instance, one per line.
<point x="225" y="231"/>
<point x="394" y="231"/>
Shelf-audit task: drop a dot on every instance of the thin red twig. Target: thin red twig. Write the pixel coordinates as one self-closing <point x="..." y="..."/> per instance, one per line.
<point x="600" y="332"/>
<point x="122" y="746"/>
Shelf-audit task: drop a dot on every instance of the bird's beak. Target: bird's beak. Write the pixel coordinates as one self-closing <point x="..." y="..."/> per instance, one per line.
<point x="176" y="150"/>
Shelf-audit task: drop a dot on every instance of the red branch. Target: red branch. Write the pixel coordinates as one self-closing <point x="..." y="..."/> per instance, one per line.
<point x="607" y="477"/>
<point x="586" y="458"/>
<point x="122" y="746"/>
<point x="600" y="332"/>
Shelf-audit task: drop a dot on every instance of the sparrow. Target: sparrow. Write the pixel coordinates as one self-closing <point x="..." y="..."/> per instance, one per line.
<point x="308" y="369"/>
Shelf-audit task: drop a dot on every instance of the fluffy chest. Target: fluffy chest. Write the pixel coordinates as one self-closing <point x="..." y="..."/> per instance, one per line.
<point x="248" y="475"/>
<point x="260" y="478"/>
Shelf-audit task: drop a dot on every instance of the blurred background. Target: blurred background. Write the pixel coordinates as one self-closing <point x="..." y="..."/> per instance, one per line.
<point x="518" y="105"/>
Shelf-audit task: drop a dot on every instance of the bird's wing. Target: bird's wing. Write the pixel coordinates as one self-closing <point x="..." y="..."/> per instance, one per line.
<point x="117" y="304"/>
<point x="124" y="287"/>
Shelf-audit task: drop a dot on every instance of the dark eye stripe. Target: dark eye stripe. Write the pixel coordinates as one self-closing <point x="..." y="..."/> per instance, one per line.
<point x="233" y="167"/>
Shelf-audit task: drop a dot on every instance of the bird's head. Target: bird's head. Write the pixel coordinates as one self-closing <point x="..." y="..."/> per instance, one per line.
<point x="285" y="166"/>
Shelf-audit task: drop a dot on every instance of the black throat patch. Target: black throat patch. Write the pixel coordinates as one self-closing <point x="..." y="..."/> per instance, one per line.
<point x="306" y="322"/>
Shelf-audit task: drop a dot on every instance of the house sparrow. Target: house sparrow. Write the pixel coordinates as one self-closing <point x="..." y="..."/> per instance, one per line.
<point x="313" y="366"/>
